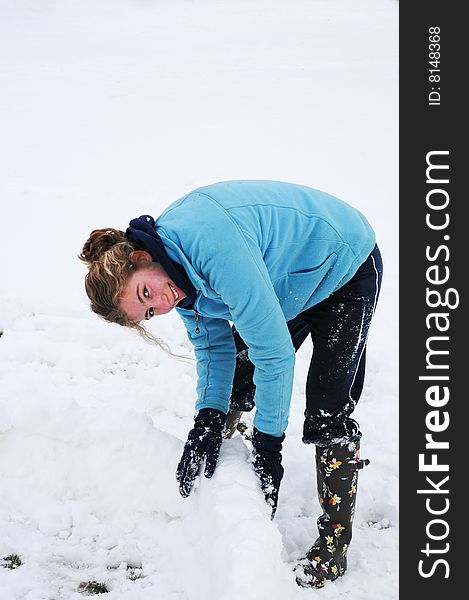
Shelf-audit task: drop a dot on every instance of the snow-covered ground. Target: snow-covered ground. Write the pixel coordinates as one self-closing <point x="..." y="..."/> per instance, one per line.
<point x="114" y="108"/>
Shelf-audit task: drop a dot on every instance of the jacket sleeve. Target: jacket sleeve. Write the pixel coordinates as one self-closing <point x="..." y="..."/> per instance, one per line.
<point x="215" y="352"/>
<point x="232" y="264"/>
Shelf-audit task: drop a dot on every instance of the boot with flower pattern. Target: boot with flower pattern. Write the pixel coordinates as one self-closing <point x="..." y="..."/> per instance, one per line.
<point x="337" y="474"/>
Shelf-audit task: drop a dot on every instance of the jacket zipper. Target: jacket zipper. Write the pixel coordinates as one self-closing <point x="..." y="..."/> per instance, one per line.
<point x="196" y="315"/>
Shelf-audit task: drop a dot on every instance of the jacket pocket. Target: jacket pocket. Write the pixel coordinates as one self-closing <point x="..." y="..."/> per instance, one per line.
<point x="297" y="290"/>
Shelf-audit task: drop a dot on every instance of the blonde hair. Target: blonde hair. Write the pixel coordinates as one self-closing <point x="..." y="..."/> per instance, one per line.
<point x="107" y="255"/>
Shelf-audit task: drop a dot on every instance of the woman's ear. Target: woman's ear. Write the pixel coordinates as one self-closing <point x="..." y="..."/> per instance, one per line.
<point x="140" y="256"/>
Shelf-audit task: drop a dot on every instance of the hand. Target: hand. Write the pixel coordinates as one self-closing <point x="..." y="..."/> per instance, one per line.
<point x="203" y="440"/>
<point x="267" y="462"/>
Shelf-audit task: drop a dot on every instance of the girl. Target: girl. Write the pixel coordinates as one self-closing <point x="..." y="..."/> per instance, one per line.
<point x="279" y="261"/>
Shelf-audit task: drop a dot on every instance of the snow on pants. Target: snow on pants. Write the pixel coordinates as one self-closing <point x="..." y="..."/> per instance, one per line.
<point x="339" y="328"/>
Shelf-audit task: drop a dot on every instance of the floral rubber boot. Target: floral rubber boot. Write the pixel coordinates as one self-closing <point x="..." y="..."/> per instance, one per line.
<point x="337" y="474"/>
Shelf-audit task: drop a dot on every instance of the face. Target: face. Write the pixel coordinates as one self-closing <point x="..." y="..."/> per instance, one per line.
<point x="149" y="292"/>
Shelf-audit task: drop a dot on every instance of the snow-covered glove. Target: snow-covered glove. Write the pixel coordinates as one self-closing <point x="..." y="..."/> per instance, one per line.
<point x="203" y="441"/>
<point x="267" y="461"/>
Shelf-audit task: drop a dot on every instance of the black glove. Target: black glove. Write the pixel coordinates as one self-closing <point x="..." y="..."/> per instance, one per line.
<point x="267" y="461"/>
<point x="204" y="440"/>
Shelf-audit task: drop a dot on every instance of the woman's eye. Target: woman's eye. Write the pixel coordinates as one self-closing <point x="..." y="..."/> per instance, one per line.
<point x="146" y="293"/>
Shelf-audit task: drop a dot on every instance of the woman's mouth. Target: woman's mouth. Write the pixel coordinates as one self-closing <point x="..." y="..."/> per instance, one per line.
<point x="175" y="294"/>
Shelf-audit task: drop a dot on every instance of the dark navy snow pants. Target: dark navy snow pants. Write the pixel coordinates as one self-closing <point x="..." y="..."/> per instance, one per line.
<point x="339" y="329"/>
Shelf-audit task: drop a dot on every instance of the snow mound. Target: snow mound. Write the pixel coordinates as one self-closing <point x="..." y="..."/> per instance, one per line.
<point x="92" y="494"/>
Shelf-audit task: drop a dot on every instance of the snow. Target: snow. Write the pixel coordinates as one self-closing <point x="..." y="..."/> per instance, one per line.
<point x="115" y="108"/>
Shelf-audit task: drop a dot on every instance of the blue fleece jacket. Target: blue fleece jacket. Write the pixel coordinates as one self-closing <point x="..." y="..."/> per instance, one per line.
<point x="258" y="253"/>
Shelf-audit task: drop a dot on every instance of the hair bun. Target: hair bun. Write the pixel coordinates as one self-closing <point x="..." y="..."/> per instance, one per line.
<point x="99" y="242"/>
